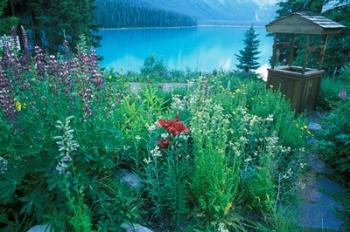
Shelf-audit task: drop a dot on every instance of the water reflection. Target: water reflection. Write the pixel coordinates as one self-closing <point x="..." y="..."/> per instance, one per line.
<point x="203" y="49"/>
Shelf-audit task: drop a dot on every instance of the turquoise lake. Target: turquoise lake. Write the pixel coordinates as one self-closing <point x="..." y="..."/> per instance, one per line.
<point x="201" y="48"/>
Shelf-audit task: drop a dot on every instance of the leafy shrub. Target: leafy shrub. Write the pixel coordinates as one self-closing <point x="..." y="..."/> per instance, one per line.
<point x="154" y="67"/>
<point x="335" y="135"/>
<point x="37" y="93"/>
<point x="330" y="89"/>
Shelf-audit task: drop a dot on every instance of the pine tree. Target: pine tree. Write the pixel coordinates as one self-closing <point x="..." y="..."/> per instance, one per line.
<point x="248" y="57"/>
<point x="52" y="21"/>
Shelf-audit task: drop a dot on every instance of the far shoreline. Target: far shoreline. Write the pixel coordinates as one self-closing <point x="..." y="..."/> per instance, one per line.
<point x="180" y="27"/>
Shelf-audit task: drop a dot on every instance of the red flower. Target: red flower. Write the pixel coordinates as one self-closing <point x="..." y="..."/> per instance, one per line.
<point x="174" y="126"/>
<point x="164" y="143"/>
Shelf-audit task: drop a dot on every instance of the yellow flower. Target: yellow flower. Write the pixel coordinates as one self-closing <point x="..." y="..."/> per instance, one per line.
<point x="227" y="208"/>
<point x="238" y="90"/>
<point x="18" y="106"/>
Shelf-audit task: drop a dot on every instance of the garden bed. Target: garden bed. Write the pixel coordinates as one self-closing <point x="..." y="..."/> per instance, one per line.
<point x="215" y="156"/>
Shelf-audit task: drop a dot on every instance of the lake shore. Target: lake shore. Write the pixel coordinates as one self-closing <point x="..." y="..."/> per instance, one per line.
<point x="181" y="27"/>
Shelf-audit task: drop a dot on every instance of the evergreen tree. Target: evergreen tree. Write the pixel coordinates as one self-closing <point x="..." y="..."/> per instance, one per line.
<point x="6" y="23"/>
<point x="248" y="57"/>
<point x="52" y="21"/>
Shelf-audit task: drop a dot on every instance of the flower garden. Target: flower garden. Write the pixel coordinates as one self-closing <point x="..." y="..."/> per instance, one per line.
<point x="222" y="154"/>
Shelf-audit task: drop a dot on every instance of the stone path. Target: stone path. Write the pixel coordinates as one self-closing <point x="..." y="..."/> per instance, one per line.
<point x="320" y="204"/>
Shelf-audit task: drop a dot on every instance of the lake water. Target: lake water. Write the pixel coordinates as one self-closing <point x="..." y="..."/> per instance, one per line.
<point x="202" y="48"/>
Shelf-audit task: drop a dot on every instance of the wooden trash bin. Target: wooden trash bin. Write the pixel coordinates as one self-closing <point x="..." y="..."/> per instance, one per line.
<point x="301" y="85"/>
<point x="300" y="88"/>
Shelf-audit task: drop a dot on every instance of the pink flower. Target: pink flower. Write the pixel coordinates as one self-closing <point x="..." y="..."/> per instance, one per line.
<point x="342" y="94"/>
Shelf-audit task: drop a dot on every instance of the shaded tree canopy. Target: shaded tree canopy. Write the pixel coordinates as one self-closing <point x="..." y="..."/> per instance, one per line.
<point x="6" y="22"/>
<point x="50" y="22"/>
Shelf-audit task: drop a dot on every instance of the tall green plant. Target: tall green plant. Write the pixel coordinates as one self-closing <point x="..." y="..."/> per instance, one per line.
<point x="214" y="180"/>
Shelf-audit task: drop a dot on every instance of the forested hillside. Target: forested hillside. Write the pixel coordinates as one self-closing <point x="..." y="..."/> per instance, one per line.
<point x="231" y="12"/>
<point x="125" y="13"/>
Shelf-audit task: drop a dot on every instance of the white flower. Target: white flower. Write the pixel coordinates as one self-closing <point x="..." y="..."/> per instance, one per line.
<point x="153" y="127"/>
<point x="270" y="118"/>
<point x="138" y="137"/>
<point x="222" y="228"/>
<point x="147" y="161"/>
<point x="3" y="165"/>
<point x="164" y="135"/>
<point x="156" y="152"/>
<point x="184" y="136"/>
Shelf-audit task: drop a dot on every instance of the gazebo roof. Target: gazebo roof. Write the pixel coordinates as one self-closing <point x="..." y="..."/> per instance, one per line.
<point x="304" y="23"/>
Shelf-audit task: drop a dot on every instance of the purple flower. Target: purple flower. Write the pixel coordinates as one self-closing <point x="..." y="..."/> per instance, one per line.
<point x="7" y="103"/>
<point x="84" y="63"/>
<point x="342" y="94"/>
<point x="93" y="58"/>
<point x="63" y="164"/>
<point x="97" y="79"/>
<point x="86" y="98"/>
<point x="8" y="57"/>
<point x="64" y="76"/>
<point x="53" y="65"/>
<point x="96" y="74"/>
<point x="40" y="60"/>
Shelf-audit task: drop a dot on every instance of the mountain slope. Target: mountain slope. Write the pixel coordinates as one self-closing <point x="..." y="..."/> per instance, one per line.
<point x="137" y="13"/>
<point x="257" y="12"/>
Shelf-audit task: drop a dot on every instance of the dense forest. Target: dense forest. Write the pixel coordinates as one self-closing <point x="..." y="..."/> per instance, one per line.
<point x="123" y="13"/>
<point x="49" y="23"/>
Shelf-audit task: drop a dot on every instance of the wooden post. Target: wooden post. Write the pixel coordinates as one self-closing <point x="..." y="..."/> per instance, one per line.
<point x="323" y="52"/>
<point x="291" y="51"/>
<point x="273" y="62"/>
<point x="306" y="53"/>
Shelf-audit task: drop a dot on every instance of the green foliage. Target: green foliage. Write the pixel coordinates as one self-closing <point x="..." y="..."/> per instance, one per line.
<point x="336" y="137"/>
<point x="227" y="165"/>
<point x="215" y="181"/>
<point x="53" y="21"/>
<point x="154" y="67"/>
<point x="6" y="23"/>
<point x="290" y="6"/>
<point x="248" y="57"/>
<point x="330" y="89"/>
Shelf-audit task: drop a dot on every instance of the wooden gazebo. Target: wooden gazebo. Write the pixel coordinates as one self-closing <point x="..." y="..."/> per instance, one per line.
<point x="300" y="84"/>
